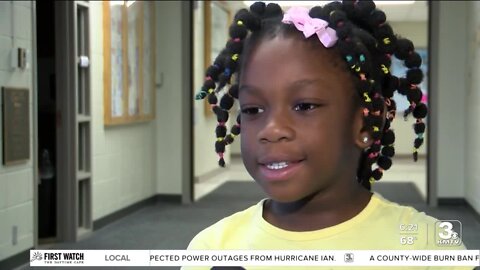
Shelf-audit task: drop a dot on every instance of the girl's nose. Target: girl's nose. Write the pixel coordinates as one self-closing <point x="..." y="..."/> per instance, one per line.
<point x="278" y="127"/>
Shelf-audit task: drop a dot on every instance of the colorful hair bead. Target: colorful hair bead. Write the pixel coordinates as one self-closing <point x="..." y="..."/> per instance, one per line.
<point x="200" y="95"/>
<point x="367" y="98"/>
<point x="365" y="112"/>
<point x="384" y="69"/>
<point x="227" y="72"/>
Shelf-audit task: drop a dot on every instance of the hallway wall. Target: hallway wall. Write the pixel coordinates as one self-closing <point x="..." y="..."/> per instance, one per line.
<point x="123" y="156"/>
<point x="17" y="181"/>
<point x="450" y="96"/>
<point x="472" y="143"/>
<point x="171" y="97"/>
<point x="136" y="161"/>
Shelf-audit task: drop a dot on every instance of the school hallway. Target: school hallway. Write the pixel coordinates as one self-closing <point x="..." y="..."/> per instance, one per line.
<point x="91" y="160"/>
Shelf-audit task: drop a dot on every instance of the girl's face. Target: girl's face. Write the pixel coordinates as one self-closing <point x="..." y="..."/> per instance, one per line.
<point x="301" y="132"/>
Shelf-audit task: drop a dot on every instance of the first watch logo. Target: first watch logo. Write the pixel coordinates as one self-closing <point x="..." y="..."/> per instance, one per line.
<point x="58" y="258"/>
<point x="36" y="256"/>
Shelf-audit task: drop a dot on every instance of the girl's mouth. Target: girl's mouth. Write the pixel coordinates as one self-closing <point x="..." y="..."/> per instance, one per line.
<point x="277" y="165"/>
<point x="280" y="170"/>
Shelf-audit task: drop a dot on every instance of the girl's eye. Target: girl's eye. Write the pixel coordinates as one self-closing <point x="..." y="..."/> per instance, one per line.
<point x="252" y="110"/>
<point x="305" y="107"/>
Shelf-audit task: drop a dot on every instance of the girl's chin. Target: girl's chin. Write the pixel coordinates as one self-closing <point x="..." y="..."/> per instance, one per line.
<point x="283" y="197"/>
<point x="288" y="194"/>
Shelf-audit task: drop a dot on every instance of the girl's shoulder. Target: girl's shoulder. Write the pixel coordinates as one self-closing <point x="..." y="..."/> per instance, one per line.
<point x="400" y="213"/>
<point x="243" y="216"/>
<point x="227" y="227"/>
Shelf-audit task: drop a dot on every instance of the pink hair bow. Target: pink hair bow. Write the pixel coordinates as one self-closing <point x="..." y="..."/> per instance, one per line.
<point x="309" y="26"/>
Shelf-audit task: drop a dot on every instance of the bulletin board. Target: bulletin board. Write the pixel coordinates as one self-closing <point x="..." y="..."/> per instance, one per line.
<point x="129" y="61"/>
<point x="217" y="20"/>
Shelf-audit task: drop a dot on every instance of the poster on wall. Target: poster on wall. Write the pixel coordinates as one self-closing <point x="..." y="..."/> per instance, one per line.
<point x="133" y="14"/>
<point x="220" y="18"/>
<point x="116" y="52"/>
<point x="148" y="58"/>
<point x="129" y="61"/>
<point x="15" y="125"/>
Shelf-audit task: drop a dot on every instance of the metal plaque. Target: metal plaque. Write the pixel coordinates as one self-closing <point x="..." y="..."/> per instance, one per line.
<point x="16" y="125"/>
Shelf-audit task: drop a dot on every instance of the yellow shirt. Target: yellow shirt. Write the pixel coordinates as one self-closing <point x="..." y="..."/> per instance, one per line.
<point x="380" y="226"/>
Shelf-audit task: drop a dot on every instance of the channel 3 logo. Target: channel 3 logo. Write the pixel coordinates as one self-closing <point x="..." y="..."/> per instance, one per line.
<point x="349" y="258"/>
<point x="448" y="233"/>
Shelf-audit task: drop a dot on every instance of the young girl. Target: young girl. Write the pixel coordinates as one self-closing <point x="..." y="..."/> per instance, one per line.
<point x="316" y="103"/>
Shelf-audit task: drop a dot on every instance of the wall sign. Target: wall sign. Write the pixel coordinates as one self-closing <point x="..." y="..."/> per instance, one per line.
<point x="16" y="125"/>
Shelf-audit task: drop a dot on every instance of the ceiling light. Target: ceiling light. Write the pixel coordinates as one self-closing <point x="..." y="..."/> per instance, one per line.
<point x="121" y="3"/>
<point x="116" y="3"/>
<point x="322" y="3"/>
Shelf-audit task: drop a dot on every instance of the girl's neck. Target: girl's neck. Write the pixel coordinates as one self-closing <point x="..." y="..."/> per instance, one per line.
<point x="317" y="211"/>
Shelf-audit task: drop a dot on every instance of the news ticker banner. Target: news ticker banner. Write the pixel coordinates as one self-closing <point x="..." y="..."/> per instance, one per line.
<point x="254" y="258"/>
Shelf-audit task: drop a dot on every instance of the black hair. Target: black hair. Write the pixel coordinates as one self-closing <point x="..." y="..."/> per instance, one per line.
<point x="365" y="41"/>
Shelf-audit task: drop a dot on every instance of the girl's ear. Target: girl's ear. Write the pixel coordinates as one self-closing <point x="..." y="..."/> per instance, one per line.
<point x="364" y="140"/>
<point x="361" y="135"/>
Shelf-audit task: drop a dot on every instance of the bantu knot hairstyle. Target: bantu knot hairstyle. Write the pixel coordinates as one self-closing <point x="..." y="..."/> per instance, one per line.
<point x="366" y="42"/>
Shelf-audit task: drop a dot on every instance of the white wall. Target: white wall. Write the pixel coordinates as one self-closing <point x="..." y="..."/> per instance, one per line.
<point x="417" y="32"/>
<point x="472" y="145"/>
<point x="206" y="160"/>
<point x="16" y="182"/>
<point x="169" y="97"/>
<point x="451" y="97"/>
<point x="123" y="156"/>
<point x="140" y="160"/>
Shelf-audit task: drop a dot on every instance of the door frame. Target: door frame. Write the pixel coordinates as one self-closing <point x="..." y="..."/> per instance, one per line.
<point x="432" y="151"/>
<point x="67" y="123"/>
<point x="66" y="197"/>
<point x="74" y="129"/>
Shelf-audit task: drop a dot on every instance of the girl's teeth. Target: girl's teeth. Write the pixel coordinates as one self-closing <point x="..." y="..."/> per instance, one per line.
<point x="277" y="166"/>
